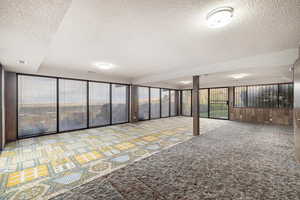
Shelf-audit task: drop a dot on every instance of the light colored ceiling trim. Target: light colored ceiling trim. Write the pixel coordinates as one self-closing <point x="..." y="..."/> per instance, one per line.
<point x="83" y="75"/>
<point x="281" y="58"/>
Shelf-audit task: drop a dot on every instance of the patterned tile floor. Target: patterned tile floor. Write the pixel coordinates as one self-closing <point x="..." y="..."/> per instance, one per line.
<point x="236" y="161"/>
<point x="42" y="167"/>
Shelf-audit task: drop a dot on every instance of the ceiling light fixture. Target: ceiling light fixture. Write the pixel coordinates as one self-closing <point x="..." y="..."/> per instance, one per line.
<point x="23" y="62"/>
<point x="185" y="82"/>
<point x="104" y="66"/>
<point x="219" y="17"/>
<point x="239" y="76"/>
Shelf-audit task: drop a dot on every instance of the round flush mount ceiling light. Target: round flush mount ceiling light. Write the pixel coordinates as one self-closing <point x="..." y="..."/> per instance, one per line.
<point x="239" y="76"/>
<point x="104" y="66"/>
<point x="185" y="82"/>
<point x="219" y="17"/>
<point x="22" y="62"/>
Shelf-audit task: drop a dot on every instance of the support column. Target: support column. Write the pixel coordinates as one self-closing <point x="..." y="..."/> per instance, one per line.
<point x="177" y="102"/>
<point x="134" y="106"/>
<point x="195" y="106"/>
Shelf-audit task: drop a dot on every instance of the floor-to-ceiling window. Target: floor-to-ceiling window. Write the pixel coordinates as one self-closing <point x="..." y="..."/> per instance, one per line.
<point x="285" y="95"/>
<point x="36" y="105"/>
<point x="186" y="105"/>
<point x="119" y="103"/>
<point x="240" y="96"/>
<point x="264" y="96"/>
<point x="218" y="103"/>
<point x="99" y="104"/>
<point x="173" y="103"/>
<point x="51" y="104"/>
<point x="155" y="103"/>
<point x="72" y="104"/>
<point x="143" y="99"/>
<point x="203" y="101"/>
<point x="165" y="103"/>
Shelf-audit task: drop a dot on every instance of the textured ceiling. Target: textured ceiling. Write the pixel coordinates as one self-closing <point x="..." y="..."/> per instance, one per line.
<point x="148" y="39"/>
<point x="278" y="74"/>
<point x="26" y="30"/>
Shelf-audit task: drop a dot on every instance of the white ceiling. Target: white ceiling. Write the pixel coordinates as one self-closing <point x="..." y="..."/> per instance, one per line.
<point x="280" y="74"/>
<point x="150" y="41"/>
<point x="26" y="31"/>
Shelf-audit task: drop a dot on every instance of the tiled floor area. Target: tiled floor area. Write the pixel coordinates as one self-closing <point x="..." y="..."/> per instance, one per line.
<point x="43" y="167"/>
<point x="236" y="161"/>
<point x="231" y="160"/>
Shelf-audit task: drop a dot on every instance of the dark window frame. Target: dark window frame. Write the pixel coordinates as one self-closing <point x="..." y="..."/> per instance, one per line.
<point x="257" y="104"/>
<point x="149" y="103"/>
<point x="181" y="96"/>
<point x="57" y="103"/>
<point x="160" y="101"/>
<point x="87" y="105"/>
<point x="110" y="100"/>
<point x="17" y="108"/>
<point x="191" y="91"/>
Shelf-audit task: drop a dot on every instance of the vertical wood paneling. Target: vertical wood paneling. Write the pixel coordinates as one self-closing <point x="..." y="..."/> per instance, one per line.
<point x="10" y="106"/>
<point x="279" y="116"/>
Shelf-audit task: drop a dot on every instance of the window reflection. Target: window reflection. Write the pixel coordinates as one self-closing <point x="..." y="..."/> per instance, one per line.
<point x="143" y="98"/>
<point x="186" y="102"/>
<point x="155" y="103"/>
<point x="36" y="105"/>
<point x="119" y="103"/>
<point x="165" y="102"/>
<point x="99" y="104"/>
<point x="72" y="104"/>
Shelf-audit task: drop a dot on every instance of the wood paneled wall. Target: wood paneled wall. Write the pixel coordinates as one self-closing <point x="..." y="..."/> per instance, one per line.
<point x="279" y="116"/>
<point x="10" y="106"/>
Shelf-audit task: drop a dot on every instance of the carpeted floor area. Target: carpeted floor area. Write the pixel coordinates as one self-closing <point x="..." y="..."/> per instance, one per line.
<point x="233" y="161"/>
<point x="43" y="167"/>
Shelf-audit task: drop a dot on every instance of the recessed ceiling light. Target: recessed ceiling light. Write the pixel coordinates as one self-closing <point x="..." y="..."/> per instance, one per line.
<point x="239" y="76"/>
<point x="219" y="17"/>
<point x="104" y="66"/>
<point x="185" y="82"/>
<point x="23" y="62"/>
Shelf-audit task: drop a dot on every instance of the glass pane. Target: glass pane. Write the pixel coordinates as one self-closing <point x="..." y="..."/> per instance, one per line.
<point x="155" y="103"/>
<point x="99" y="104"/>
<point x="72" y="104"/>
<point x="286" y="95"/>
<point x="218" y="103"/>
<point x="263" y="96"/>
<point x="36" y="105"/>
<point x="253" y="96"/>
<point x="173" y="103"/>
<point x="143" y="97"/>
<point x="203" y="102"/>
<point x="119" y="103"/>
<point x="186" y="102"/>
<point x="165" y="102"/>
<point x="240" y="96"/>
